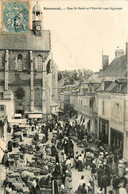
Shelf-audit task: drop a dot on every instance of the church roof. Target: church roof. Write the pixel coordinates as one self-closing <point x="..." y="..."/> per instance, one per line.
<point x="26" y="41"/>
<point x="117" y="68"/>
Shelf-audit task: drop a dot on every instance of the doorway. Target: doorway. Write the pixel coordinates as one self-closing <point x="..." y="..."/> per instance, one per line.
<point x="20" y="109"/>
<point x="117" y="140"/>
<point x="103" y="130"/>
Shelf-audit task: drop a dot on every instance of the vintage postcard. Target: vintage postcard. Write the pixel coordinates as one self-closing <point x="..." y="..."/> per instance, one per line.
<point x="64" y="97"/>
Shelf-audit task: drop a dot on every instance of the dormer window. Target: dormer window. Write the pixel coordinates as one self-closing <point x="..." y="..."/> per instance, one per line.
<point x="118" y="87"/>
<point x="91" y="88"/>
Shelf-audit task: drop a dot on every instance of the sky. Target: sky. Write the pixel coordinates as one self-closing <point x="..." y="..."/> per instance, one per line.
<point x="79" y="37"/>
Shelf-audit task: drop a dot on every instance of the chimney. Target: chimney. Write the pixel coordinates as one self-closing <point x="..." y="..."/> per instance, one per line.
<point x="105" y="62"/>
<point x="119" y="52"/>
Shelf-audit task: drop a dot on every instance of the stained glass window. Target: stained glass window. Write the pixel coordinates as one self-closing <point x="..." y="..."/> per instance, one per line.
<point x="39" y="63"/>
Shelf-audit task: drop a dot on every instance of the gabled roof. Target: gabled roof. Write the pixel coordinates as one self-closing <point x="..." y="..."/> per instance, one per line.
<point x="93" y="79"/>
<point x="123" y="89"/>
<point x="117" y="68"/>
<point x="26" y="41"/>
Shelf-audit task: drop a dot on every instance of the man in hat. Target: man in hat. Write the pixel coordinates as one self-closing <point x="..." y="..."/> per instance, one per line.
<point x="115" y="183"/>
<point x="105" y="182"/>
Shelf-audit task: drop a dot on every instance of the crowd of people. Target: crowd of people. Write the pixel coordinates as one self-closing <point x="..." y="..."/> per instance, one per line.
<point x="106" y="167"/>
<point x="108" y="173"/>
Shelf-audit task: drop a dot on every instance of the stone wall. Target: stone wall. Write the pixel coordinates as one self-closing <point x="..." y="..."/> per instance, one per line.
<point x="2" y="59"/>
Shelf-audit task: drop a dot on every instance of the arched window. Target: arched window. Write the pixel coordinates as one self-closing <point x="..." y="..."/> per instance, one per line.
<point x="19" y="62"/>
<point x="39" y="63"/>
<point x="48" y="68"/>
<point x="20" y="109"/>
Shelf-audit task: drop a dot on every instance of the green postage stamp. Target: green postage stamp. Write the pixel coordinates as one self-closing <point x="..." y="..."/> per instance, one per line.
<point x="15" y="16"/>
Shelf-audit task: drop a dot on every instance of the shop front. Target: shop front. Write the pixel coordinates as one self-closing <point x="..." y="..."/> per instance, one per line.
<point x="117" y="140"/>
<point x="104" y="130"/>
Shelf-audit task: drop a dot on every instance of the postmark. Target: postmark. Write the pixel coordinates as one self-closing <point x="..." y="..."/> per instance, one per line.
<point x="15" y="16"/>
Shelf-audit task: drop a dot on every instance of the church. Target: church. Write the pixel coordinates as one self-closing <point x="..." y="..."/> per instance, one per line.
<point x="28" y="74"/>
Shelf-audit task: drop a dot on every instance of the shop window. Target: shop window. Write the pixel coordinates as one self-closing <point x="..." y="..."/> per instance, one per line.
<point x="117" y="140"/>
<point x="19" y="62"/>
<point x="39" y="63"/>
<point x="103" y="107"/>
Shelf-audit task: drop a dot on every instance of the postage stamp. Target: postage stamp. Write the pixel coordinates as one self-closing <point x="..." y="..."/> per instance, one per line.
<point x="15" y="16"/>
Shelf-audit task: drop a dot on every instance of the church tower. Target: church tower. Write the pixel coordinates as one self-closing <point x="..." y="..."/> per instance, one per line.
<point x="37" y="24"/>
<point x="27" y="72"/>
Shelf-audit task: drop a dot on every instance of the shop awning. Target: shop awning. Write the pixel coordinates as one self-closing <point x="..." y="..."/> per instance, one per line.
<point x="35" y="116"/>
<point x="17" y="115"/>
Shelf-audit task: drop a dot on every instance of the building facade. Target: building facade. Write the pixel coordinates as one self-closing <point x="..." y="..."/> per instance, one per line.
<point x="27" y="69"/>
<point x="102" y="100"/>
<point x="112" y="118"/>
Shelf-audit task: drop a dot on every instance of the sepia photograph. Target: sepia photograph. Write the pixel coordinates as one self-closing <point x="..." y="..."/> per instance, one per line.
<point x="63" y="97"/>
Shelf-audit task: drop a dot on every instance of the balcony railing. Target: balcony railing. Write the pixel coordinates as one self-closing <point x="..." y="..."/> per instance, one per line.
<point x="85" y="110"/>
